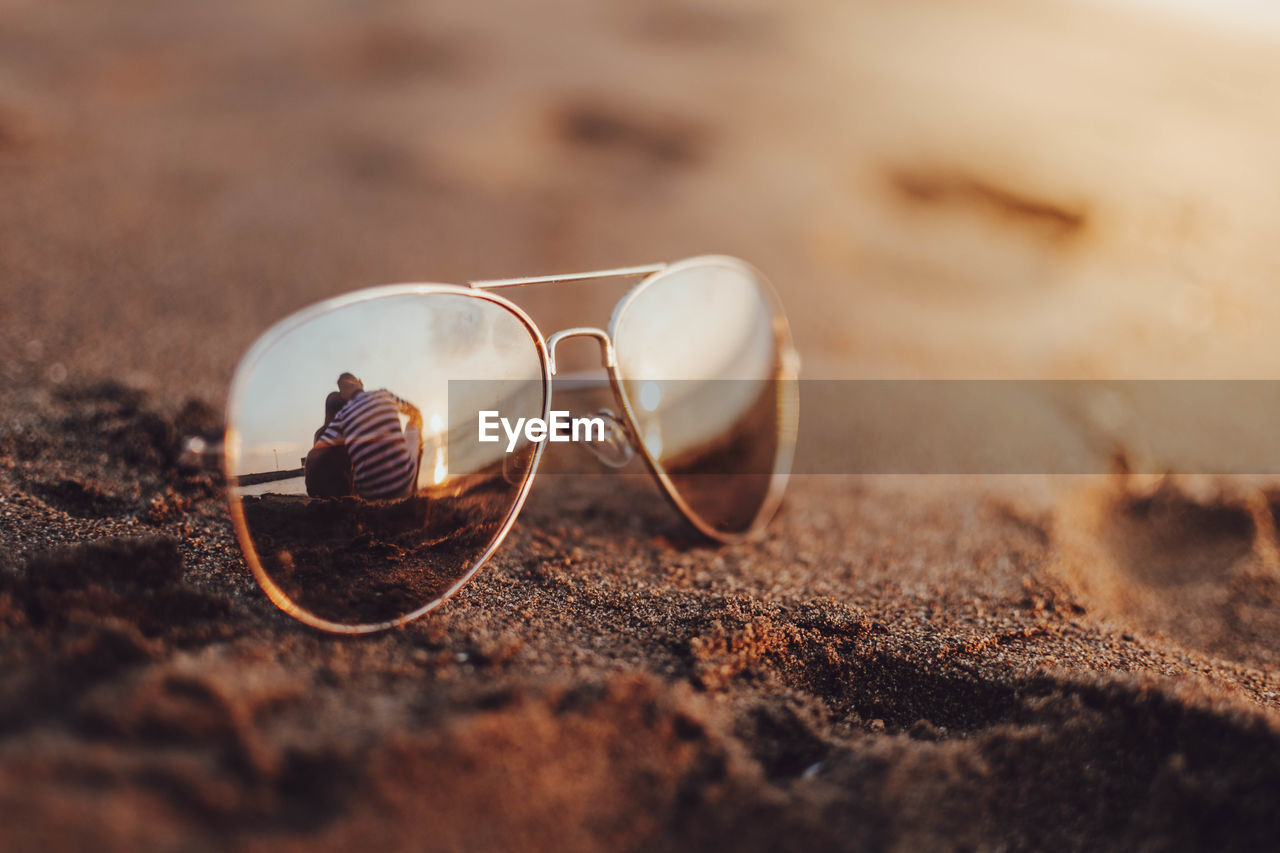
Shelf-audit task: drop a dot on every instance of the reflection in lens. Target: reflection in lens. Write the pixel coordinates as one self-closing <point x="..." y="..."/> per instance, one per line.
<point x="338" y="451"/>
<point x="701" y="368"/>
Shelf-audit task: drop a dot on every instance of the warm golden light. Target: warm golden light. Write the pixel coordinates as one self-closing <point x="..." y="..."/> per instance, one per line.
<point x="441" y="470"/>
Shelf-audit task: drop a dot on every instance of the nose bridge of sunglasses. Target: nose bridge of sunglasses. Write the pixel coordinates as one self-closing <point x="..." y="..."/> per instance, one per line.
<point x="601" y="336"/>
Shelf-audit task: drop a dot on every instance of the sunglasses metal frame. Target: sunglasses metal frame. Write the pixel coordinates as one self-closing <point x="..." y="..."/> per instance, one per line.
<point x="787" y="358"/>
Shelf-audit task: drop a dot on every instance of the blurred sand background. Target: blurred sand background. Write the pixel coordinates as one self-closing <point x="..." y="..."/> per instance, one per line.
<point x="978" y="189"/>
<point x="975" y="189"/>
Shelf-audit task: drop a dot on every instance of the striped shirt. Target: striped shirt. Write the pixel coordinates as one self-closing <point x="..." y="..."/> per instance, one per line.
<point x="369" y="426"/>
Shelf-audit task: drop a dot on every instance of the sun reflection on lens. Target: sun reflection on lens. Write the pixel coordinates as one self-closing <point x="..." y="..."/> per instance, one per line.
<point x="441" y="470"/>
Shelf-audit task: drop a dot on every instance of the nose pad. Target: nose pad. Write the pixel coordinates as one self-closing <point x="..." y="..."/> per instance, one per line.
<point x="616" y="449"/>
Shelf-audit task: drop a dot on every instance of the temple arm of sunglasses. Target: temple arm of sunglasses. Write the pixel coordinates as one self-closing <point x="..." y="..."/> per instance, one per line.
<point x="619" y="272"/>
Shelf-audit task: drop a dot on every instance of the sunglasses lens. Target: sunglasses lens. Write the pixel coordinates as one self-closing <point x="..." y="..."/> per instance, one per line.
<point x="700" y="356"/>
<point x="350" y="507"/>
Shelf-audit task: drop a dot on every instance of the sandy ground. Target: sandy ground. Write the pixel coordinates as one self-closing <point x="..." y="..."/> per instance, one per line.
<point x="980" y="189"/>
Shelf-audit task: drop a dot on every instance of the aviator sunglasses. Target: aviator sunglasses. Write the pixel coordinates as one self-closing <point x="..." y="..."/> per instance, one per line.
<point x="384" y="509"/>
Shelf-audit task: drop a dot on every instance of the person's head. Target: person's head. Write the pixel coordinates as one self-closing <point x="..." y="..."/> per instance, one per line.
<point x="332" y="405"/>
<point x="348" y="385"/>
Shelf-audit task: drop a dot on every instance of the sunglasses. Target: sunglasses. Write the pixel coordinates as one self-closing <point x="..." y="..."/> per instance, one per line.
<point x="437" y="410"/>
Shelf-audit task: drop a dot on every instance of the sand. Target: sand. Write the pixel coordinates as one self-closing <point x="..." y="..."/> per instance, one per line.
<point x="982" y="189"/>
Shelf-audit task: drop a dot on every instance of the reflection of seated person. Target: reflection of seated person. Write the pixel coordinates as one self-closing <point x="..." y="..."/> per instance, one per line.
<point x="369" y="427"/>
<point x="328" y="467"/>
